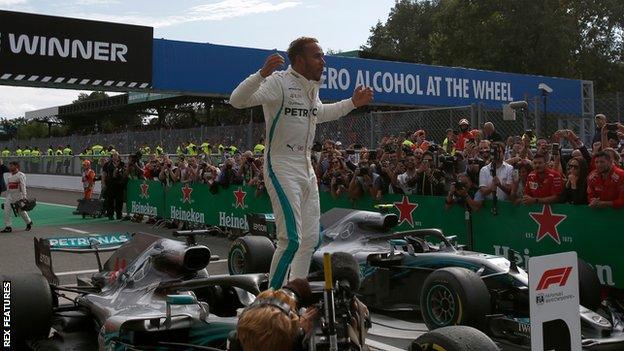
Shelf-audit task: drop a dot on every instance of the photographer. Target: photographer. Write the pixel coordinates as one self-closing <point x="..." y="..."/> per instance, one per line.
<point x="338" y="177"/>
<point x="364" y="181"/>
<point x="229" y="174"/>
<point x="522" y="169"/>
<point x="208" y="173"/>
<point x="465" y="193"/>
<point x="286" y="320"/>
<point x="500" y="181"/>
<point x="168" y="173"/>
<point x="388" y="174"/>
<point x="134" y="170"/>
<point x="152" y="168"/>
<point x="424" y="180"/>
<point x="245" y="167"/>
<point x="407" y="181"/>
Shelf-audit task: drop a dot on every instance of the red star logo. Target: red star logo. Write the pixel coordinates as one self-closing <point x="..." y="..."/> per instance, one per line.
<point x="144" y="188"/>
<point x="240" y="197"/>
<point x="405" y="210"/>
<point x="186" y="193"/>
<point x="547" y="223"/>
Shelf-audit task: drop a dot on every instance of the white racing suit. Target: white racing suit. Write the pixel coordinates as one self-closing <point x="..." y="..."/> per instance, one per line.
<point x="16" y="190"/>
<point x="292" y="109"/>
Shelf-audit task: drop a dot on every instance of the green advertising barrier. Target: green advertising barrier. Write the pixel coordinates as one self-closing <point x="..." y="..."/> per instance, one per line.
<point x="546" y="229"/>
<point x="228" y="207"/>
<point x="196" y="204"/>
<point x="145" y="197"/>
<point x="528" y="230"/>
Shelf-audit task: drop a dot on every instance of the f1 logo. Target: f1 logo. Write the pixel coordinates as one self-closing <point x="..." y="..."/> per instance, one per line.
<point x="554" y="276"/>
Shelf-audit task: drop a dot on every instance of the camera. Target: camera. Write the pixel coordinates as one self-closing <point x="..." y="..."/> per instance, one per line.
<point x="555" y="148"/>
<point x="459" y="185"/>
<point x="338" y="177"/>
<point x="612" y="126"/>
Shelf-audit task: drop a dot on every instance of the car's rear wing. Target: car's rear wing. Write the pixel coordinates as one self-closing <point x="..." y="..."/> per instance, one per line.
<point x="93" y="244"/>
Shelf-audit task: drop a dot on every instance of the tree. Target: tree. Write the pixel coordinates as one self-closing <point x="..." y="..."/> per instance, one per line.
<point x="94" y="95"/>
<point x="565" y="38"/>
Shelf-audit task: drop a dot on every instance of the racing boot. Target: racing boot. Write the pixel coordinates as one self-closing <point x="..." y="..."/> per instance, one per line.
<point x="6" y="230"/>
<point x="29" y="226"/>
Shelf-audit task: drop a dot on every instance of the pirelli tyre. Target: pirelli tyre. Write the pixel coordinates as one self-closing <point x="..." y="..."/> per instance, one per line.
<point x="31" y="306"/>
<point x="250" y="254"/>
<point x="454" y="296"/>
<point x="454" y="338"/>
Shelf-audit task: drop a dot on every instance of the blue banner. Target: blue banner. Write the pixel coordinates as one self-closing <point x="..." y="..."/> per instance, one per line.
<point x="185" y="67"/>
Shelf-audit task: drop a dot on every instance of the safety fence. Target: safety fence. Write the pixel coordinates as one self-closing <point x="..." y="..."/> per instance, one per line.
<point x="543" y="114"/>
<point x="72" y="165"/>
<point x="528" y="230"/>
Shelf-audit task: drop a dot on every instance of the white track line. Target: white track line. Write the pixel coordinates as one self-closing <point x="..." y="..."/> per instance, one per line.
<point x="219" y="261"/>
<point x="75" y="230"/>
<point x="77" y="272"/>
<point x="382" y="346"/>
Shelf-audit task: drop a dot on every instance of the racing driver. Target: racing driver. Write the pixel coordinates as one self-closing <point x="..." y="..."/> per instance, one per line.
<point x="292" y="109"/>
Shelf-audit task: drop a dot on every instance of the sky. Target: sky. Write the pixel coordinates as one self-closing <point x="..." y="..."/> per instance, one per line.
<point x="266" y="24"/>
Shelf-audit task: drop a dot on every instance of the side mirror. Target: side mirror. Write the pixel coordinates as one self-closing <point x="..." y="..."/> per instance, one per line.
<point x="177" y="300"/>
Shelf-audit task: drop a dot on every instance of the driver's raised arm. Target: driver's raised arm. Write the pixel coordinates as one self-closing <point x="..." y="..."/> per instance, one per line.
<point x="256" y="90"/>
<point x="331" y="112"/>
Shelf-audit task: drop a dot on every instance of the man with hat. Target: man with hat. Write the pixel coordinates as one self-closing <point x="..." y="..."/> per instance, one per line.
<point x="464" y="134"/>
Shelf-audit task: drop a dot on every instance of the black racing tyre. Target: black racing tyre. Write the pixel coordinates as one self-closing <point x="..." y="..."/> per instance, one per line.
<point x="454" y="296"/>
<point x="31" y="306"/>
<point x="589" y="286"/>
<point x="250" y="254"/>
<point x="454" y="338"/>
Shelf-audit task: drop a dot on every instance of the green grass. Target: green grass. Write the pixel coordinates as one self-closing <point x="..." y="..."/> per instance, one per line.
<point x="54" y="215"/>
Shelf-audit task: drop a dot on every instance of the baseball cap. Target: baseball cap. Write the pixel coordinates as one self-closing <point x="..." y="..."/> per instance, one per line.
<point x="464" y="121"/>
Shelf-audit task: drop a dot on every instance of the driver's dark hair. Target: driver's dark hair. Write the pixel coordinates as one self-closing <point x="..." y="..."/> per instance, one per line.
<point x="297" y="47"/>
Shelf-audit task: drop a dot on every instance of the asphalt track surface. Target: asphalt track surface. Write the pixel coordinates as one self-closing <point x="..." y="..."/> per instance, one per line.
<point x="53" y="218"/>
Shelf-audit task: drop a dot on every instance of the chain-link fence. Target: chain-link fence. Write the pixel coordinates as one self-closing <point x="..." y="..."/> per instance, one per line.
<point x="243" y="136"/>
<point x="543" y="115"/>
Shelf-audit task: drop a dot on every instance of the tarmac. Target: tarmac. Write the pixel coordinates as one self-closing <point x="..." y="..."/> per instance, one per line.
<point x="53" y="217"/>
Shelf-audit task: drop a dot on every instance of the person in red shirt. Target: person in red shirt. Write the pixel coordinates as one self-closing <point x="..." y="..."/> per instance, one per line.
<point x="543" y="185"/>
<point x="605" y="184"/>
<point x="88" y="179"/>
<point x="464" y="134"/>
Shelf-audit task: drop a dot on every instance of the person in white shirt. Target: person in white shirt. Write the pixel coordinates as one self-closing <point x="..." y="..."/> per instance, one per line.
<point x="504" y="175"/>
<point x="16" y="190"/>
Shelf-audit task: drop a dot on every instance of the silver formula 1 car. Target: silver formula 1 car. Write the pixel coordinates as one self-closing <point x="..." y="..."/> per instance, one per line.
<point x="151" y="294"/>
<point x="425" y="271"/>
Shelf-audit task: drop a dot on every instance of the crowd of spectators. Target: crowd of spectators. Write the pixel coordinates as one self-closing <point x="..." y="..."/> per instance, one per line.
<point x="473" y="165"/>
<point x="468" y="167"/>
